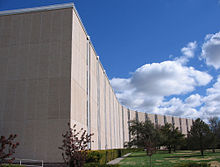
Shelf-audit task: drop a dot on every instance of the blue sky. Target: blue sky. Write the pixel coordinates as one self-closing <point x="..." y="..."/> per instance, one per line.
<point x="141" y="46"/>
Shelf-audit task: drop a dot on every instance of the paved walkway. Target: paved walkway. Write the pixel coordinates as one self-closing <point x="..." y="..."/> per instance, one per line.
<point x="117" y="160"/>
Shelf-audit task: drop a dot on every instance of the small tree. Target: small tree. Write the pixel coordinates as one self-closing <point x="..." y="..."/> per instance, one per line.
<point x="144" y="135"/>
<point x="7" y="148"/>
<point x="213" y="124"/>
<point x="141" y="133"/>
<point x="171" y="137"/>
<point x="151" y="149"/>
<point x="75" y="146"/>
<point x="199" y="136"/>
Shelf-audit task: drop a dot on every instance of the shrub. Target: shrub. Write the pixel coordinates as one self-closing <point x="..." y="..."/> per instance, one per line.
<point x="193" y="164"/>
<point x="104" y="156"/>
<point x="7" y="148"/>
<point x="75" y="146"/>
<point x="93" y="156"/>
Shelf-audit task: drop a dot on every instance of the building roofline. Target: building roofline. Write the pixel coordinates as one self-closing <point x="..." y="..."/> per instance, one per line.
<point x="34" y="9"/>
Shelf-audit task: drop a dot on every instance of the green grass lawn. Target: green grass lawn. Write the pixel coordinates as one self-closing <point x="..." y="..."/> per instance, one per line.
<point x="164" y="159"/>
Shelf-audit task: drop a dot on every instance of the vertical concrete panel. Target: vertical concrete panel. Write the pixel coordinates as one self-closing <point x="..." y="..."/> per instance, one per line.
<point x="43" y="60"/>
<point x="132" y="115"/>
<point x="64" y="100"/>
<point x="113" y="120"/>
<point x="46" y="27"/>
<point x="21" y="62"/>
<point x="177" y="123"/>
<point x="35" y="34"/>
<point x="31" y="99"/>
<point x="56" y="26"/>
<point x="151" y="117"/>
<point x="6" y="31"/>
<point x="93" y="98"/>
<point x="190" y="123"/>
<point x="107" y="114"/>
<point x="116" y="123"/>
<point x="32" y="61"/>
<point x="2" y="102"/>
<point x="20" y="104"/>
<point x="3" y="63"/>
<point x="98" y="104"/>
<point x="184" y="127"/>
<point x="42" y="96"/>
<point x="141" y="116"/>
<point x="121" y="133"/>
<point x="26" y="26"/>
<point x="11" y="72"/>
<point x="53" y="99"/>
<point x="160" y="120"/>
<point x="15" y="29"/>
<point x="118" y="127"/>
<point x="110" y="117"/>
<point x="73" y="30"/>
<point x="126" y="131"/>
<point x="105" y="132"/>
<point x="169" y="119"/>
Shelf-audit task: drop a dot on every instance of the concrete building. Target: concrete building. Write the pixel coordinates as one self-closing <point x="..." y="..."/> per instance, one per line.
<point x="51" y="75"/>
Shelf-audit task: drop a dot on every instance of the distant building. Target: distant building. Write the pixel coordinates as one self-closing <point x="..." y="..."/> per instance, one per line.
<point x="50" y="75"/>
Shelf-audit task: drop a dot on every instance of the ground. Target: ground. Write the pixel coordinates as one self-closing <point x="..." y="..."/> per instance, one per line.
<point x="164" y="159"/>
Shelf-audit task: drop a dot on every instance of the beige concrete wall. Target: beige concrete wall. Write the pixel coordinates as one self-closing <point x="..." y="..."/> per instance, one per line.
<point x="151" y="117"/>
<point x="160" y="120"/>
<point x="132" y="115"/>
<point x="126" y="132"/>
<point x="141" y="116"/>
<point x="35" y="62"/>
<point x="103" y="82"/>
<point x="93" y="98"/>
<point x="108" y="115"/>
<point x="190" y="123"/>
<point x="78" y="74"/>
<point x="113" y="120"/>
<point x="169" y="119"/>
<point x="121" y="135"/>
<point x="176" y="122"/>
<point x="184" y="127"/>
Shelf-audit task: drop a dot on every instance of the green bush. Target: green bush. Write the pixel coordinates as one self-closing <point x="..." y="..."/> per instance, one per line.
<point x="93" y="156"/>
<point x="104" y="156"/>
<point x="193" y="164"/>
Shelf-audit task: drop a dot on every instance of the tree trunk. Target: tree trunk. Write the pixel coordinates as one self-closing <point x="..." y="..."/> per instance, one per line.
<point x="202" y="152"/>
<point x="169" y="148"/>
<point x="213" y="150"/>
<point x="174" y="148"/>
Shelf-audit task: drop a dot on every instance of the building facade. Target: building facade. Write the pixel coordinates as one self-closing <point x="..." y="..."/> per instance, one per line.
<point x="50" y="75"/>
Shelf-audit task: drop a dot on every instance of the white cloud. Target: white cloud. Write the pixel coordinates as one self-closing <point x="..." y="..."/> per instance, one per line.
<point x="188" y="52"/>
<point x="148" y="86"/>
<point x="177" y="107"/>
<point x="212" y="100"/>
<point x="193" y="100"/>
<point x="211" y="50"/>
<point x="195" y="105"/>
